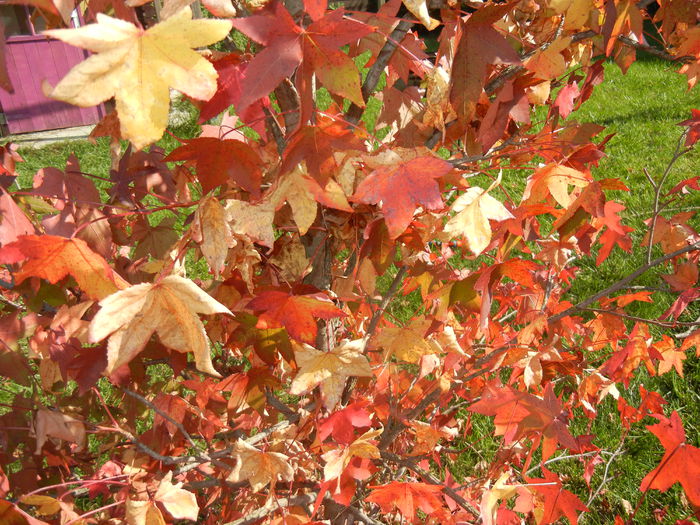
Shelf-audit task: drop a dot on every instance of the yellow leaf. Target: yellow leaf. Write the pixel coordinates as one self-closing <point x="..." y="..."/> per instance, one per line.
<point x="139" y="67"/>
<point x="180" y="503"/>
<point x="259" y="468"/>
<point x="251" y="220"/>
<point x="549" y="63"/>
<point x="168" y="308"/>
<point x="407" y="343"/>
<point x="213" y="233"/>
<point x="143" y="513"/>
<point x="47" y="505"/>
<point x="329" y="370"/>
<point x="489" y="501"/>
<point x="474" y="209"/>
<point x="339" y="458"/>
<point x="419" y="8"/>
<point x="555" y="180"/>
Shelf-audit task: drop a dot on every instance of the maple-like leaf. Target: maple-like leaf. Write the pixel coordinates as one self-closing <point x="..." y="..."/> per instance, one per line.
<point x="253" y="221"/>
<point x="53" y="258"/>
<point x="554" y="180"/>
<point x="491" y="498"/>
<point x="474" y="209"/>
<point x="13" y="221"/>
<point x="341" y="423"/>
<point x="287" y="46"/>
<point x="338" y="459"/>
<point x="213" y="233"/>
<point x="295" y="312"/>
<point x="681" y="462"/>
<point x="693" y="125"/>
<point x="403" y="186"/>
<point x="143" y="512"/>
<point x="180" y="503"/>
<point x="222" y="161"/>
<point x="407" y="498"/>
<point x="168" y="308"/>
<point x="419" y="8"/>
<point x="51" y="423"/>
<point x="329" y="370"/>
<point x="558" y="502"/>
<point x="138" y="67"/>
<point x="407" y="343"/>
<point x="259" y="468"/>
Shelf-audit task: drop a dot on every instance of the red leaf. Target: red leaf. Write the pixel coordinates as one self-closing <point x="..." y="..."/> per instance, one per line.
<point x="681" y="462"/>
<point x="693" y="125"/>
<point x="296" y="313"/>
<point x="401" y="188"/>
<point x="557" y="501"/>
<point x="222" y="161"/>
<point x="13" y="221"/>
<point x="565" y="99"/>
<point x="407" y="497"/>
<point x="342" y="423"/>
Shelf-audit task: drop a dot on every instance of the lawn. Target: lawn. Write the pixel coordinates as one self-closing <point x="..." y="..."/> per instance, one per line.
<point x="642" y="108"/>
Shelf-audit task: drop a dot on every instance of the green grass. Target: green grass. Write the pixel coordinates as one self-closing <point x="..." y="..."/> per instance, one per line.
<point x="642" y="109"/>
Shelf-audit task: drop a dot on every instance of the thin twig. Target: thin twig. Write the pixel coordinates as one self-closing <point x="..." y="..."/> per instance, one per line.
<point x="666" y="324"/>
<point x="618" y="450"/>
<point x="623" y="282"/>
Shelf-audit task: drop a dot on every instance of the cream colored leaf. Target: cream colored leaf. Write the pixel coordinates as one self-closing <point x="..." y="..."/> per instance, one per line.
<point x="213" y="233"/>
<point x="407" y="343"/>
<point x="47" y="505"/>
<point x="139" y="67"/>
<point x="169" y="308"/>
<point x="338" y="459"/>
<point x="51" y="423"/>
<point x="419" y="8"/>
<point x="143" y="513"/>
<point x="474" y="210"/>
<point x="180" y="503"/>
<point x="252" y="220"/>
<point x="329" y="370"/>
<point x="490" y="499"/>
<point x="259" y="468"/>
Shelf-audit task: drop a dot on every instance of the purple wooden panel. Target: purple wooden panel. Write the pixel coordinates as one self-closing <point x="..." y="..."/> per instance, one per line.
<point x="31" y="60"/>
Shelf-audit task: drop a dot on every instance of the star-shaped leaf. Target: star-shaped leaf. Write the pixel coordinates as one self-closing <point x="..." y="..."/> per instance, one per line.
<point x="329" y="370"/>
<point x="259" y="468"/>
<point x="169" y="308"/>
<point x="139" y="67"/>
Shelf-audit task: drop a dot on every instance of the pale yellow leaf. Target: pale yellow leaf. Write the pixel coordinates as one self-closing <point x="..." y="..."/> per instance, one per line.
<point x="143" y="513"/>
<point x="180" y="503"/>
<point x="213" y="233"/>
<point x="419" y="8"/>
<point x="329" y="370"/>
<point x="139" y="67"/>
<point x="338" y="459"/>
<point x="474" y="210"/>
<point x="259" y="468"/>
<point x="252" y="220"/>
<point x="491" y="498"/>
<point x="169" y="308"/>
<point x="407" y="343"/>
<point x="47" y="505"/>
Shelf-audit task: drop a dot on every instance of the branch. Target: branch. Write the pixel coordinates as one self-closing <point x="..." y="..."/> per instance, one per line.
<point x="375" y="72"/>
<point x="273" y="506"/>
<point x="623" y="282"/>
<point x="666" y="324"/>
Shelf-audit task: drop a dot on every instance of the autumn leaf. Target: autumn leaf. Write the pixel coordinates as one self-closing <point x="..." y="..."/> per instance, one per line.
<point x="53" y="258"/>
<point x="554" y="180"/>
<point x="329" y="370"/>
<point x="407" y="343"/>
<point x="168" y="308"/>
<point x="212" y="232"/>
<point x="416" y="180"/>
<point x="341" y="423"/>
<point x="221" y="161"/>
<point x="138" y="67"/>
<point x="259" y="468"/>
<point x="143" y="512"/>
<point x="407" y="498"/>
<point x="419" y="9"/>
<point x="295" y="312"/>
<point x="54" y="424"/>
<point x="681" y="462"/>
<point x="338" y="459"/>
<point x="13" y="222"/>
<point x="474" y="209"/>
<point x="491" y="498"/>
<point x="180" y="503"/>
<point x="252" y="220"/>
<point x="557" y="502"/>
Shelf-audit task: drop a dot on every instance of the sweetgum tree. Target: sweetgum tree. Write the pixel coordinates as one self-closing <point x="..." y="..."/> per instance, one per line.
<point x="207" y="335"/>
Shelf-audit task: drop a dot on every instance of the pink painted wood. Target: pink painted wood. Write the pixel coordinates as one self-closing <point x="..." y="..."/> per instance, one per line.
<point x="31" y="60"/>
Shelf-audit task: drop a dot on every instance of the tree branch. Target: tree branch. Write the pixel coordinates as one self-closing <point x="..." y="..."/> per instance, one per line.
<point x="623" y="282"/>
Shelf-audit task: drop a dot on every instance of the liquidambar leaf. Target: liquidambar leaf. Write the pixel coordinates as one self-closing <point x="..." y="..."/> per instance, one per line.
<point x="53" y="258"/>
<point x="168" y="308"/>
<point x="259" y="468"/>
<point x="329" y="370"/>
<point x="138" y="67"/>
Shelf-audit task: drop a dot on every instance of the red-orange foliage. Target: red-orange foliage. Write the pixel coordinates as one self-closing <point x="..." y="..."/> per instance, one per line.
<point x="275" y="387"/>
